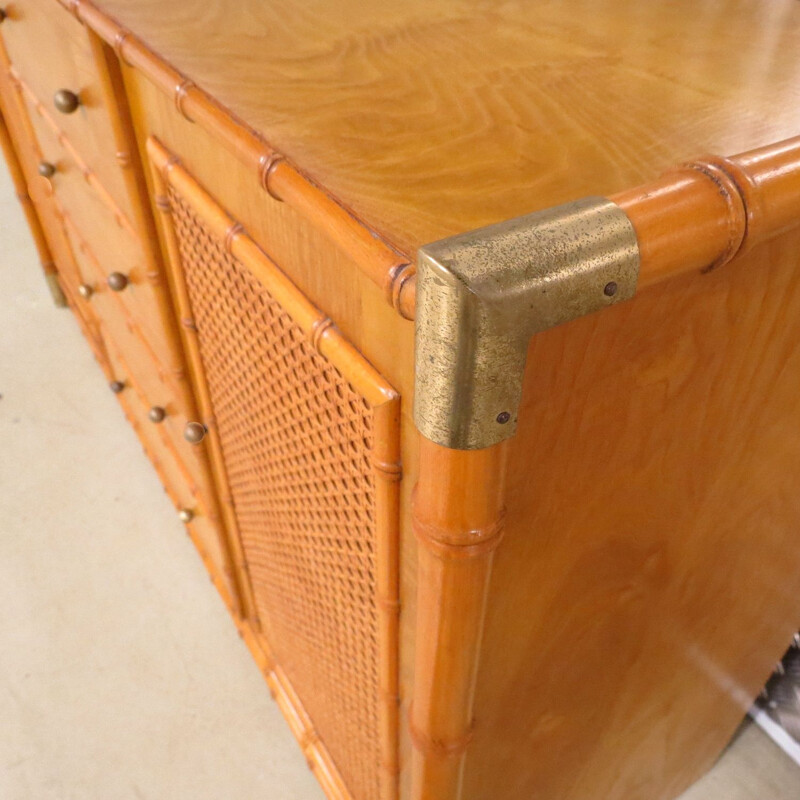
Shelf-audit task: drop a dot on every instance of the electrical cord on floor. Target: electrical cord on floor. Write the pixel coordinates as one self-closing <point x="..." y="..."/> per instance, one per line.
<point x="780" y="698"/>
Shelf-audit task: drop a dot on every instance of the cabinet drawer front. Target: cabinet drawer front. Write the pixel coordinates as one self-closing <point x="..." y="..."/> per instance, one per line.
<point x="307" y="433"/>
<point x="51" y="51"/>
<point x="139" y="367"/>
<point x="74" y="276"/>
<point x="183" y="477"/>
<point x="104" y="233"/>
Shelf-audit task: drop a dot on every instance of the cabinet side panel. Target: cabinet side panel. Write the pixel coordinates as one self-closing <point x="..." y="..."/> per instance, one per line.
<point x="648" y="578"/>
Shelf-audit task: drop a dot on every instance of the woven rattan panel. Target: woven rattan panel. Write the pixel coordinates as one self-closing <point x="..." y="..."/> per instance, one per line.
<point x="296" y="440"/>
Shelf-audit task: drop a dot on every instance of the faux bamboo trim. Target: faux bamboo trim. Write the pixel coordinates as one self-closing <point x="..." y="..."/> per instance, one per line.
<point x="460" y="543"/>
<point x="458" y="493"/>
<point x="736" y="212"/>
<point x="31" y="215"/>
<point x="181" y="90"/>
<point x="245" y="605"/>
<point x="172" y="375"/>
<point x="373" y="254"/>
<point x="707" y="213"/>
<point x="385" y="403"/>
<point x="364" y="378"/>
<point x="119" y="215"/>
<point x="163" y="435"/>
<point x="388" y="472"/>
<point x="114" y="95"/>
<point x="454" y="748"/>
<point x="91" y="336"/>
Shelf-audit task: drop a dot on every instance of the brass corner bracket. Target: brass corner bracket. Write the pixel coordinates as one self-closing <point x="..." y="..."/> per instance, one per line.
<point x="481" y="295"/>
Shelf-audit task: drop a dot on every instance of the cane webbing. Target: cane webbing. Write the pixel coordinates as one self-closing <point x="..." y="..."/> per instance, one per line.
<point x="296" y="440"/>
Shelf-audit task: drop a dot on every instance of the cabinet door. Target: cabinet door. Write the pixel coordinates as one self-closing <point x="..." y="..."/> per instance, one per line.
<point x="303" y="437"/>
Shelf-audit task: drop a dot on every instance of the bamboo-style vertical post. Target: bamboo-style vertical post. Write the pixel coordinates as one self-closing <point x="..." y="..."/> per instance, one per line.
<point x="386" y="464"/>
<point x="127" y="156"/>
<point x="458" y="522"/>
<point x="244" y="604"/>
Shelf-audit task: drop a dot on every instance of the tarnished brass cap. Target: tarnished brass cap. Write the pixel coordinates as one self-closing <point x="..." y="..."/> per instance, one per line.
<point x="85" y="291"/>
<point x="194" y="432"/>
<point x="46" y="169"/>
<point x="157" y="414"/>
<point x="66" y="101"/>
<point x="481" y="295"/>
<point x="116" y="386"/>
<point x="186" y="515"/>
<point x="117" y="281"/>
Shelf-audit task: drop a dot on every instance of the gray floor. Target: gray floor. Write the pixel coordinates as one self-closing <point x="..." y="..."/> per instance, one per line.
<point x="121" y="675"/>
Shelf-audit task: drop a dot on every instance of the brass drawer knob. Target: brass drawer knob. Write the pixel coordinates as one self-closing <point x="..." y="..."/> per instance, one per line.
<point x="66" y="101"/>
<point x="46" y="169"/>
<point x="117" y="281"/>
<point x="157" y="414"/>
<point x="195" y="432"/>
<point x="116" y="386"/>
<point x="186" y="515"/>
<point x="85" y="291"/>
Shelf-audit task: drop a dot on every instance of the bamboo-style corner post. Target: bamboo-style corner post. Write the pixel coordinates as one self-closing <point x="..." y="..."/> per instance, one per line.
<point x="480" y="297"/>
<point x="458" y="522"/>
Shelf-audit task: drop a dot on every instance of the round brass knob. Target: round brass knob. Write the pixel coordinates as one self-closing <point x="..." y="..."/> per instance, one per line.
<point x="117" y="281"/>
<point x="186" y="515"/>
<point x="66" y="101"/>
<point x="194" y="432"/>
<point x="116" y="386"/>
<point x="156" y="414"/>
<point x="46" y="169"/>
<point x="85" y="291"/>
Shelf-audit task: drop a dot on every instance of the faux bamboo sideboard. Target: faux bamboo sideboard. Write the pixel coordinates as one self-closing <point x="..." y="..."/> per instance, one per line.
<point x="493" y="458"/>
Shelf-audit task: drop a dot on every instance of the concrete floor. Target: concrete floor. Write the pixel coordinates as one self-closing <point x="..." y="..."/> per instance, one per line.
<point x="121" y="675"/>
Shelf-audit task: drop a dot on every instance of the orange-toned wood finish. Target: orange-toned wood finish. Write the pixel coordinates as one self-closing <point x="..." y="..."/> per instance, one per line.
<point x="458" y="521"/>
<point x="168" y="175"/>
<point x="42" y="248"/>
<point x="275" y="174"/>
<point x="644" y="585"/>
<point x="93" y="198"/>
<point x="588" y="609"/>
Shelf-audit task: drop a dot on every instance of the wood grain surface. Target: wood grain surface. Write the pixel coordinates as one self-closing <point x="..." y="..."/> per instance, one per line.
<point x="431" y="118"/>
<point x="647" y="576"/>
<point x="647" y="581"/>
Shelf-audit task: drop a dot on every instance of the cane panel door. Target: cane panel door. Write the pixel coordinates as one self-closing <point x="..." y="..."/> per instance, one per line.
<point x="303" y="435"/>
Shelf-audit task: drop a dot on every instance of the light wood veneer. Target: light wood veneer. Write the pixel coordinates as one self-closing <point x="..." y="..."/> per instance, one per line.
<point x="587" y="609"/>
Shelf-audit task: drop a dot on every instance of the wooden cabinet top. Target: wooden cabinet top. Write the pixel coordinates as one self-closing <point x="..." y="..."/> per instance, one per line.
<point x="431" y="117"/>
